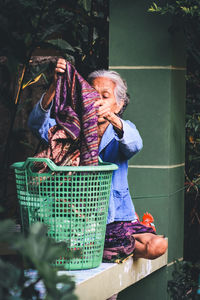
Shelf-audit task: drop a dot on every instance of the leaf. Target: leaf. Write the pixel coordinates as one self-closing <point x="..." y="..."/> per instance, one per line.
<point x="185" y="9"/>
<point x="32" y="81"/>
<point x="154" y="8"/>
<point x="49" y="31"/>
<point x="61" y="44"/>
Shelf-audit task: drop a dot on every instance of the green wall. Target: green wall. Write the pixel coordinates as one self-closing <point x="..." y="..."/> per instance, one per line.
<point x="152" y="60"/>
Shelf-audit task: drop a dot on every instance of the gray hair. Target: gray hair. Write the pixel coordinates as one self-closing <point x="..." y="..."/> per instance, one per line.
<point x="120" y="91"/>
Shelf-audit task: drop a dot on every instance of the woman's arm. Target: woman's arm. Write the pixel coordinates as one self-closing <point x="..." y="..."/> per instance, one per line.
<point x="131" y="141"/>
<point x="39" y="120"/>
<point x="49" y="95"/>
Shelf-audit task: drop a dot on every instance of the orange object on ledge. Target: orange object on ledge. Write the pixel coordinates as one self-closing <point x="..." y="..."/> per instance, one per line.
<point x="148" y="220"/>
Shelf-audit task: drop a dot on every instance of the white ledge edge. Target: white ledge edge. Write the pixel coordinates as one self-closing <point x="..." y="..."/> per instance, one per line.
<point x="109" y="279"/>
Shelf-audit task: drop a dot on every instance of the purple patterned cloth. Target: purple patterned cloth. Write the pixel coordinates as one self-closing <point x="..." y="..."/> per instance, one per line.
<point x="74" y="140"/>
<point x="119" y="240"/>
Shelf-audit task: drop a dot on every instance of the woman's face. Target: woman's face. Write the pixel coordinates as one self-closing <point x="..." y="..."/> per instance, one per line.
<point x="106" y="87"/>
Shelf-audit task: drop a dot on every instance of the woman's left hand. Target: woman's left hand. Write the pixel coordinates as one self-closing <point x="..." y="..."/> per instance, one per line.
<point x="104" y="112"/>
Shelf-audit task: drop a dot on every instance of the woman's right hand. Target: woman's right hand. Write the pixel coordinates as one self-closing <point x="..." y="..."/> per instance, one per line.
<point x="59" y="69"/>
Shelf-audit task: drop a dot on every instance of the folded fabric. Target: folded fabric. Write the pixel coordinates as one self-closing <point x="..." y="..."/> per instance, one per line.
<point x="74" y="140"/>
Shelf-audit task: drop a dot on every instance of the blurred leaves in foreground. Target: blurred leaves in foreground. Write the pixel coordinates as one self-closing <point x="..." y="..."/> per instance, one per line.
<point x="34" y="255"/>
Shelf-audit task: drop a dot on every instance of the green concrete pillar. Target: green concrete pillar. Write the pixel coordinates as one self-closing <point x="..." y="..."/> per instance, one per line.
<point x="152" y="60"/>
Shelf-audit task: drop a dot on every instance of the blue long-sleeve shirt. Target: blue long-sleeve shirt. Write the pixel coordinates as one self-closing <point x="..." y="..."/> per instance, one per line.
<point x="112" y="149"/>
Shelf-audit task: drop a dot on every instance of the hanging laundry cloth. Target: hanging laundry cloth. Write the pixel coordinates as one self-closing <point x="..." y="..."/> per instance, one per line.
<point x="74" y="139"/>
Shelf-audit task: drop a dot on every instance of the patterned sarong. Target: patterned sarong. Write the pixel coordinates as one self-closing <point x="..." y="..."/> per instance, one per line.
<point x="74" y="140"/>
<point x="119" y="240"/>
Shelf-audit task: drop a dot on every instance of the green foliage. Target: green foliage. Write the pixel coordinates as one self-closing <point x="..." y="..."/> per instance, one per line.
<point x="35" y="252"/>
<point x="183" y="8"/>
<point x="74" y="30"/>
<point x="25" y="25"/>
<point x="61" y="44"/>
<point x="184" y="283"/>
<point x="187" y="17"/>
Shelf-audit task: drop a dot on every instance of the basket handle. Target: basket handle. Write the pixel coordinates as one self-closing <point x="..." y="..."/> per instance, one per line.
<point x="100" y="160"/>
<point x="48" y="161"/>
<point x="30" y="160"/>
<point x="52" y="166"/>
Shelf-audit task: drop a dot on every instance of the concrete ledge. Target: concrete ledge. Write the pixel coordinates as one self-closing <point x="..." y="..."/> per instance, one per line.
<point x="110" y="278"/>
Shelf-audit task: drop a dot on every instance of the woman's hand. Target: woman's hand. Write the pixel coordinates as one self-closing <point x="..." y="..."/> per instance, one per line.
<point x="104" y="112"/>
<point x="49" y="95"/>
<point x="59" y="69"/>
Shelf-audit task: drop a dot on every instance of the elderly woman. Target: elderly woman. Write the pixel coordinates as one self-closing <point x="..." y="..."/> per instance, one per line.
<point x="118" y="141"/>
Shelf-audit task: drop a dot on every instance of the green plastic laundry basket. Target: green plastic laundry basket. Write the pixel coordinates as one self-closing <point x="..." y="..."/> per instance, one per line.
<point x="71" y="201"/>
